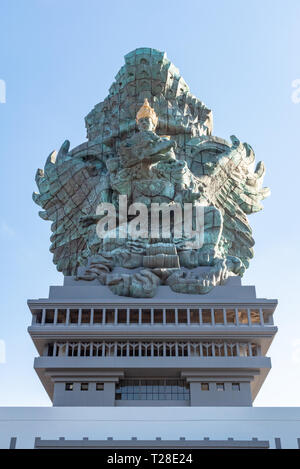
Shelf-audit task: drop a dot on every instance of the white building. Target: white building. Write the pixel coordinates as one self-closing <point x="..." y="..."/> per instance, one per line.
<point x="173" y="371"/>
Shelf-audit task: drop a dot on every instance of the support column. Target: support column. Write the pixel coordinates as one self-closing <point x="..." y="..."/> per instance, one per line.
<point x="212" y="314"/>
<point x="236" y="316"/>
<point x="261" y="317"/>
<point x="188" y="312"/>
<point x="176" y="316"/>
<point x="200" y="316"/>
<point x="68" y="317"/>
<point x="249" y="317"/>
<point x="92" y="317"/>
<point x="224" y="317"/>
<point x="79" y="316"/>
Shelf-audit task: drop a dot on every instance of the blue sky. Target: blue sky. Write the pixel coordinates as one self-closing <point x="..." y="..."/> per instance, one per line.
<point x="58" y="59"/>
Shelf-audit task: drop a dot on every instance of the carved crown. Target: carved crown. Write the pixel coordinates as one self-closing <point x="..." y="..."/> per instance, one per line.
<point x="147" y="111"/>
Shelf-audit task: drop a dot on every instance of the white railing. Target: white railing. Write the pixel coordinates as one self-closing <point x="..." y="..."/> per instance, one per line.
<point x="154" y="316"/>
<point x="153" y="349"/>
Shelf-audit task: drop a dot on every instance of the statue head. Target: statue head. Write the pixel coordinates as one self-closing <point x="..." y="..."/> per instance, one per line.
<point x="146" y="117"/>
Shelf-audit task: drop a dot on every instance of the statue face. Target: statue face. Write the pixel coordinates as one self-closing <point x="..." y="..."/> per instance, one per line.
<point x="145" y="123"/>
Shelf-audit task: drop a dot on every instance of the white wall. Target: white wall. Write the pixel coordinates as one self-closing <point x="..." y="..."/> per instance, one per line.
<point x="264" y="423"/>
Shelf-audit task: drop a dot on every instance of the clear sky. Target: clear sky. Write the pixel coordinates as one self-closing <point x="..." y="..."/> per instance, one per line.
<point x="58" y="59"/>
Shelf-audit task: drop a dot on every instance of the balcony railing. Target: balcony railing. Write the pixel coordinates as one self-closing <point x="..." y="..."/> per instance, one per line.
<point x="153" y="349"/>
<point x="153" y="316"/>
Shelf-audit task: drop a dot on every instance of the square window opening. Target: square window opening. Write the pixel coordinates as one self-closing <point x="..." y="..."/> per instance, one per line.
<point x="219" y="318"/>
<point x="134" y="316"/>
<point x="98" y="316"/>
<point x="146" y="316"/>
<point x="230" y="316"/>
<point x="206" y="316"/>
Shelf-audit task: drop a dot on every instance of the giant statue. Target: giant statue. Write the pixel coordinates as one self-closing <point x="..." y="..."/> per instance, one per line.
<point x="152" y="198"/>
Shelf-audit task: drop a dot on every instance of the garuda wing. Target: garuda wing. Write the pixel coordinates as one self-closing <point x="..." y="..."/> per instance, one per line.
<point x="233" y="184"/>
<point x="68" y="190"/>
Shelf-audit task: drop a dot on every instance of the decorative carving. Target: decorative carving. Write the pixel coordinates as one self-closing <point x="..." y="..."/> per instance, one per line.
<point x="128" y="155"/>
<point x="147" y="111"/>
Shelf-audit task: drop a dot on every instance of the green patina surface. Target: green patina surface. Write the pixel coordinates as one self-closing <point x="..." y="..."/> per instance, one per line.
<point x="174" y="160"/>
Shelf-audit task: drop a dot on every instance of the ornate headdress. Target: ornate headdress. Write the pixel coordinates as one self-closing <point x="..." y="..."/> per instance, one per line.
<point x="147" y="111"/>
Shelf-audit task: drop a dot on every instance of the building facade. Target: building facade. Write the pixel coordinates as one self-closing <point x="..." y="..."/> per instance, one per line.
<point x="170" y="350"/>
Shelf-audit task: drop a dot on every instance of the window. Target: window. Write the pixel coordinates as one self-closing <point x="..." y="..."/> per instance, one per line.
<point x="220" y="387"/>
<point x="134" y="316"/>
<point x="85" y="316"/>
<point x="122" y="316"/>
<point x="69" y="387"/>
<point x="255" y="319"/>
<point x="85" y="349"/>
<point x="61" y="316"/>
<point x="182" y="316"/>
<point x="146" y="349"/>
<point x="61" y="350"/>
<point x="84" y="386"/>
<point x="243" y="316"/>
<point x="99" y="386"/>
<point x="49" y="316"/>
<point x="244" y="350"/>
<point x="50" y="350"/>
<point x="207" y="349"/>
<point x="204" y="387"/>
<point x="133" y="349"/>
<point x="235" y="386"/>
<point x="230" y="316"/>
<point x="231" y="349"/>
<point x="194" y="316"/>
<point x="219" y="319"/>
<point x="73" y="316"/>
<point x="206" y="316"/>
<point x="170" y="316"/>
<point x="121" y="349"/>
<point x="98" y="316"/>
<point x="146" y="316"/>
<point x="195" y="349"/>
<point x="219" y="349"/>
<point x="73" y="349"/>
<point x="156" y="389"/>
<point x="38" y="316"/>
<point x="97" y="349"/>
<point x="109" y="350"/>
<point x="110" y="316"/>
<point x="158" y="316"/>
<point x="182" y="349"/>
<point x="267" y="315"/>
